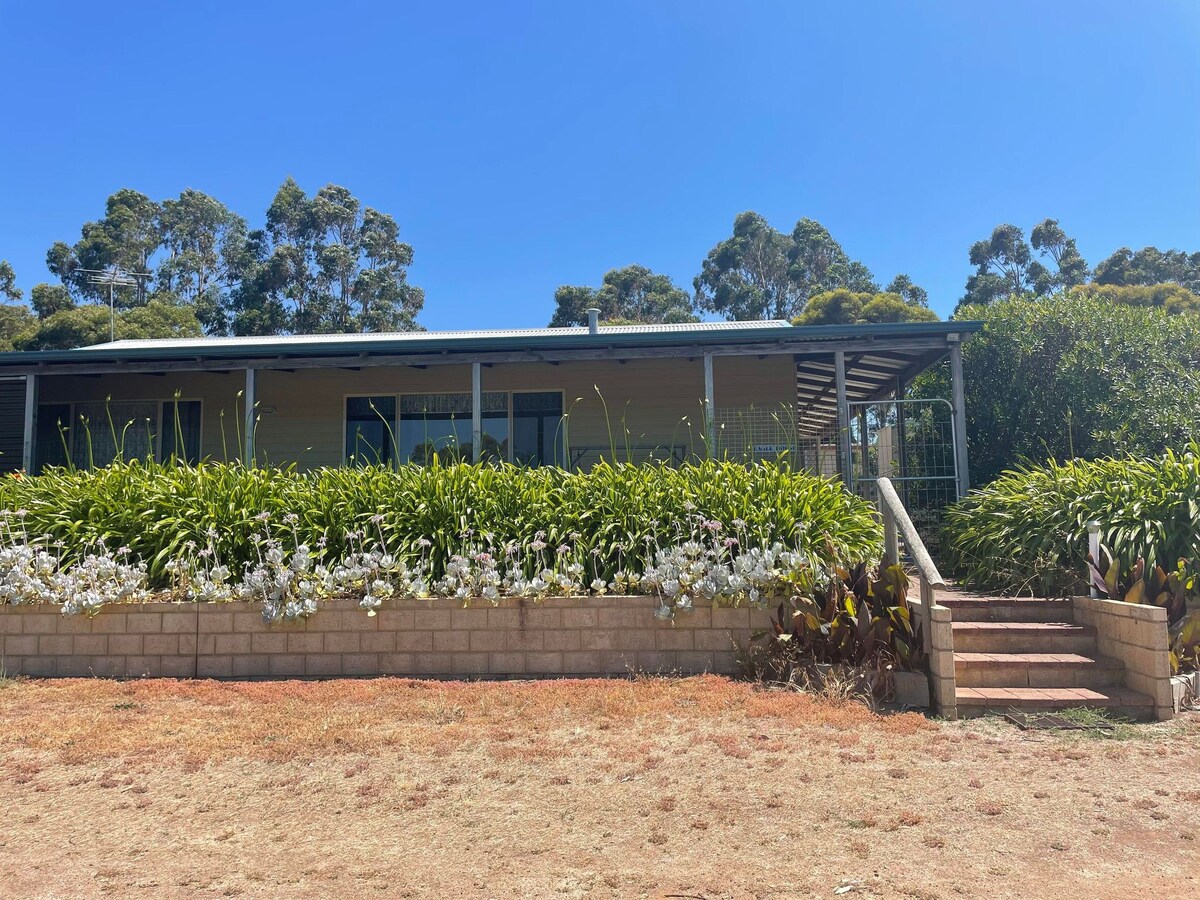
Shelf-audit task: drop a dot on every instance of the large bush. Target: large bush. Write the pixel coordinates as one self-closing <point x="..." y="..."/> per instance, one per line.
<point x="1067" y="377"/>
<point x="611" y="518"/>
<point x="1027" y="530"/>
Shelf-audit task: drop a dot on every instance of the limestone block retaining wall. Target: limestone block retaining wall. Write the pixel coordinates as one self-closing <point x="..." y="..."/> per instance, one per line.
<point x="1136" y="634"/>
<point x="558" y="636"/>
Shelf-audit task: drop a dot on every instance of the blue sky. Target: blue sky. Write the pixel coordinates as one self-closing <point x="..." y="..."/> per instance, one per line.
<point x="526" y="145"/>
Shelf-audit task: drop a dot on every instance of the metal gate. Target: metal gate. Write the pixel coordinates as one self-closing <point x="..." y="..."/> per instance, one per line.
<point x="912" y="442"/>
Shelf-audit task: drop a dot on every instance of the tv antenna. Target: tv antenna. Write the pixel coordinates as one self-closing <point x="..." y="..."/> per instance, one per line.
<point x="113" y="277"/>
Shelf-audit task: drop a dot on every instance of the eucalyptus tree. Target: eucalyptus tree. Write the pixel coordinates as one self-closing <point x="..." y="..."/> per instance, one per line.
<point x="631" y="294"/>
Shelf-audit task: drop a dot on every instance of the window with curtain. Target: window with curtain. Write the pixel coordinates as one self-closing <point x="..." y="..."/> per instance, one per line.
<point x="180" y="431"/>
<point x="370" y="430"/>
<point x="106" y="431"/>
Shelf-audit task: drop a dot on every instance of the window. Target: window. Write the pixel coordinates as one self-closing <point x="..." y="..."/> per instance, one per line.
<point x="180" y="431"/>
<point x="441" y="424"/>
<point x="105" y="431"/>
<point x="537" y="429"/>
<point x="370" y="430"/>
<point x="53" y="435"/>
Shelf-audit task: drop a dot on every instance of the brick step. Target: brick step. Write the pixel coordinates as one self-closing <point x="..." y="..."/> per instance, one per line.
<point x="983" y="700"/>
<point x="1067" y="670"/>
<point x="1024" y="637"/>
<point x="1007" y="609"/>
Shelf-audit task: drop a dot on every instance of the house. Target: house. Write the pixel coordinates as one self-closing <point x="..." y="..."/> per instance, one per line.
<point x="563" y="396"/>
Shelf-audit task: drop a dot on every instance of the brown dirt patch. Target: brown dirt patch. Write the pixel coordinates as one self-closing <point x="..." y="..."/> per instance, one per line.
<point x="699" y="787"/>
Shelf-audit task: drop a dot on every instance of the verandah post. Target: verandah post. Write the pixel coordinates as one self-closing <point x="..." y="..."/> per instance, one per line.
<point x="28" y="448"/>
<point x="959" y="415"/>
<point x="250" y="416"/>
<point x="710" y="413"/>
<point x="843" y="416"/>
<point x="476" y="412"/>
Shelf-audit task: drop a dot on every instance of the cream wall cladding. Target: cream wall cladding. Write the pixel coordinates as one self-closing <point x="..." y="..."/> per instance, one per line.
<point x="608" y="635"/>
<point x="301" y="413"/>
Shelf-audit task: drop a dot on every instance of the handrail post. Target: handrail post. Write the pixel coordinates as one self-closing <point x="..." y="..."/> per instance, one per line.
<point x="1093" y="528"/>
<point x="891" y="540"/>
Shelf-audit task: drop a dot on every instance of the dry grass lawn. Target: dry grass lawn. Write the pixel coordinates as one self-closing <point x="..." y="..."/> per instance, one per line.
<point x="699" y="787"/>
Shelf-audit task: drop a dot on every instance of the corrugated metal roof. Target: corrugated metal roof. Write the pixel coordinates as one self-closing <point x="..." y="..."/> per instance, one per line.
<point x="209" y="343"/>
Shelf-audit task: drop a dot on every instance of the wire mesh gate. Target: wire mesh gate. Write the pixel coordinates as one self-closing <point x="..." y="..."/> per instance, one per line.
<point x="912" y="442"/>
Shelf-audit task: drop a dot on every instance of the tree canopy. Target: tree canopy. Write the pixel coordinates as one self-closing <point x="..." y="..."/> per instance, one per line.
<point x="321" y="264"/>
<point x="633" y="294"/>
<point x="845" y="307"/>
<point x="761" y="273"/>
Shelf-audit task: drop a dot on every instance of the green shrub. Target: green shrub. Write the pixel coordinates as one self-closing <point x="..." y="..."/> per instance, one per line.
<point x="1027" y="530"/>
<point x="613" y="516"/>
<point x="1067" y="377"/>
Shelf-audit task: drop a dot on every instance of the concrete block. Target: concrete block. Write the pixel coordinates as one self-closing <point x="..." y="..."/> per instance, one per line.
<point x="107" y="666"/>
<point x="562" y="639"/>
<point x="725" y="662"/>
<point x="541" y="663"/>
<point x="252" y="666"/>
<point x="658" y="662"/>
<point x="466" y="664"/>
<point x="715" y="639"/>
<point x="487" y="640"/>
<point x="730" y="617"/>
<point x="108" y="622"/>
<point x="161" y="644"/>
<point x="213" y="621"/>
<point x="414" y="641"/>
<point x="288" y="665"/>
<point x="542" y="617"/>
<point x="183" y="621"/>
<point x="581" y="662"/>
<point x="395" y="619"/>
<point x="678" y="638"/>
<point x="396" y="664"/>
<point x="531" y="639"/>
<point x="378" y="641"/>
<point x="360" y="664"/>
<point x="511" y="663"/>
<point x="38" y="666"/>
<point x="343" y="642"/>
<point x="125" y="644"/>
<point x="177" y="666"/>
<point x="21" y="645"/>
<point x="214" y="667"/>
<point x="694" y="662"/>
<point x="624" y="617"/>
<point x="433" y="664"/>
<point x="305" y="642"/>
<point x="431" y="619"/>
<point x="580" y="618"/>
<point x="89" y="644"/>
<point x="467" y="619"/>
<point x="54" y="644"/>
<point x="72" y="667"/>
<point x="143" y="623"/>
<point x="324" y="664"/>
<point x="143" y="666"/>
<point x="451" y="641"/>
<point x="599" y="639"/>
<point x="42" y="623"/>
<point x="636" y="639"/>
<point x="619" y="662"/>
<point x="269" y="643"/>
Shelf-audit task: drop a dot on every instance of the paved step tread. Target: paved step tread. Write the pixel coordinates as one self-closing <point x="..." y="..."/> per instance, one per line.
<point x="1050" y="698"/>
<point x="1036" y="660"/>
<point x="1024" y="628"/>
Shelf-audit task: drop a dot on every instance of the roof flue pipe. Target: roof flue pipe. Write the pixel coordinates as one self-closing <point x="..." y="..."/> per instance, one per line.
<point x="593" y="321"/>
